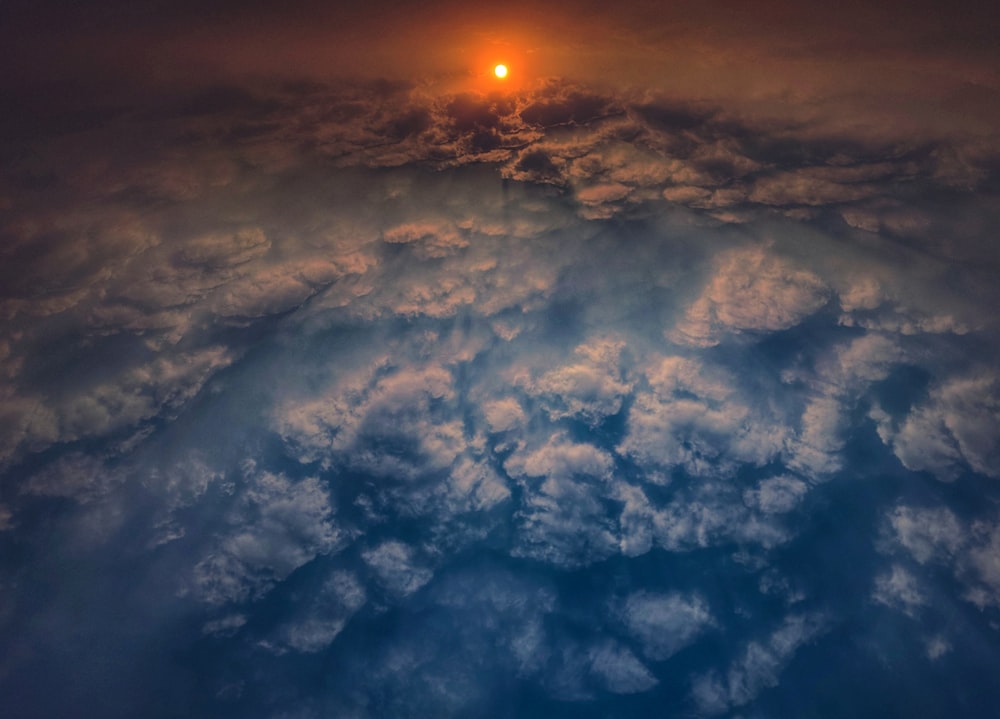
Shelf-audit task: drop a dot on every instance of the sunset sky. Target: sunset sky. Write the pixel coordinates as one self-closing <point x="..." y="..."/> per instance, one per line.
<point x="340" y="377"/>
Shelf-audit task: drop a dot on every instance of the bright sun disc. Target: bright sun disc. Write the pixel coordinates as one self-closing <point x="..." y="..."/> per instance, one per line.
<point x="500" y="71"/>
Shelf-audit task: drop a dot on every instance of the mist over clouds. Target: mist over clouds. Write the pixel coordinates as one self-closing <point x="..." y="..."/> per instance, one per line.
<point x="340" y="378"/>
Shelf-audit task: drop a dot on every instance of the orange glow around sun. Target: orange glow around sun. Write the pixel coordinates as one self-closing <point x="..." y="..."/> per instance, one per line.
<point x="492" y="64"/>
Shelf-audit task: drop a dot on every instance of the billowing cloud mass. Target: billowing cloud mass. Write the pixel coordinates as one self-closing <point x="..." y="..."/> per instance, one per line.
<point x="750" y="291"/>
<point x="339" y="378"/>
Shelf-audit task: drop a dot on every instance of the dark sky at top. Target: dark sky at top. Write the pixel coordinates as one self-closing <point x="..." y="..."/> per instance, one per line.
<point x="340" y="378"/>
<point x="808" y="48"/>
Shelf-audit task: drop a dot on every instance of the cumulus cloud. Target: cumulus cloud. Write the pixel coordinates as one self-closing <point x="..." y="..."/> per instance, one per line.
<point x="752" y="290"/>
<point x="776" y="494"/>
<point x="759" y="666"/>
<point x="590" y="389"/>
<point x="503" y="414"/>
<point x="664" y="624"/>
<point x="315" y="626"/>
<point x="936" y="536"/>
<point x="396" y="569"/>
<point x="475" y="486"/>
<point x="563" y="516"/>
<point x="928" y="534"/>
<point x="937" y="647"/>
<point x="619" y="670"/>
<point x="139" y="393"/>
<point x="693" y="416"/>
<point x="701" y="515"/>
<point x="839" y="381"/>
<point x="560" y="458"/>
<point x="958" y="426"/>
<point x="899" y="589"/>
<point x="565" y="522"/>
<point x="380" y="406"/>
<point x="277" y="526"/>
<point x="579" y="671"/>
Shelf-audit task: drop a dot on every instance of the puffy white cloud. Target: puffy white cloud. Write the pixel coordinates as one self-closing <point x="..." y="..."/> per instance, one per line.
<point x="937" y="647"/>
<point x="198" y="270"/>
<point x="758" y="668"/>
<point x="475" y="486"/>
<point x="591" y="389"/>
<point x="362" y="414"/>
<point x="503" y="414"/>
<point x="72" y="256"/>
<point x="560" y="458"/>
<point x="224" y="626"/>
<point x="277" y="526"/>
<point x="776" y="494"/>
<point x="970" y="551"/>
<point x="898" y="589"/>
<point x="316" y="625"/>
<point x="957" y="426"/>
<point x="635" y="523"/>
<point x="928" y="534"/>
<point x="396" y="568"/>
<point x="706" y="514"/>
<point x="563" y="518"/>
<point x="694" y="417"/>
<point x="752" y="289"/>
<point x="663" y="624"/>
<point x="707" y="521"/>
<point x="875" y="295"/>
<point x="908" y="322"/>
<point x="815" y="449"/>
<point x="177" y="486"/>
<point x="263" y="294"/>
<point x="619" y="670"/>
<point x="855" y="364"/>
<point x="577" y="669"/>
<point x="144" y="392"/>
<point x="864" y="293"/>
<point x="839" y="381"/>
<point x="564" y="522"/>
<point x="493" y="275"/>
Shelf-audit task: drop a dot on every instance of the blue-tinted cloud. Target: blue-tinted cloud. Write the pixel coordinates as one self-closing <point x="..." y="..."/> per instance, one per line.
<point x="386" y="400"/>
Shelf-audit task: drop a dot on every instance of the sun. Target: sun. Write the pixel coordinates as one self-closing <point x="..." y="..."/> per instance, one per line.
<point x="500" y="71"/>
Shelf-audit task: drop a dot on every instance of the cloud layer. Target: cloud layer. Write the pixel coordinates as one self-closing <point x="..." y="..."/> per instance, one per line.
<point x="398" y="398"/>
